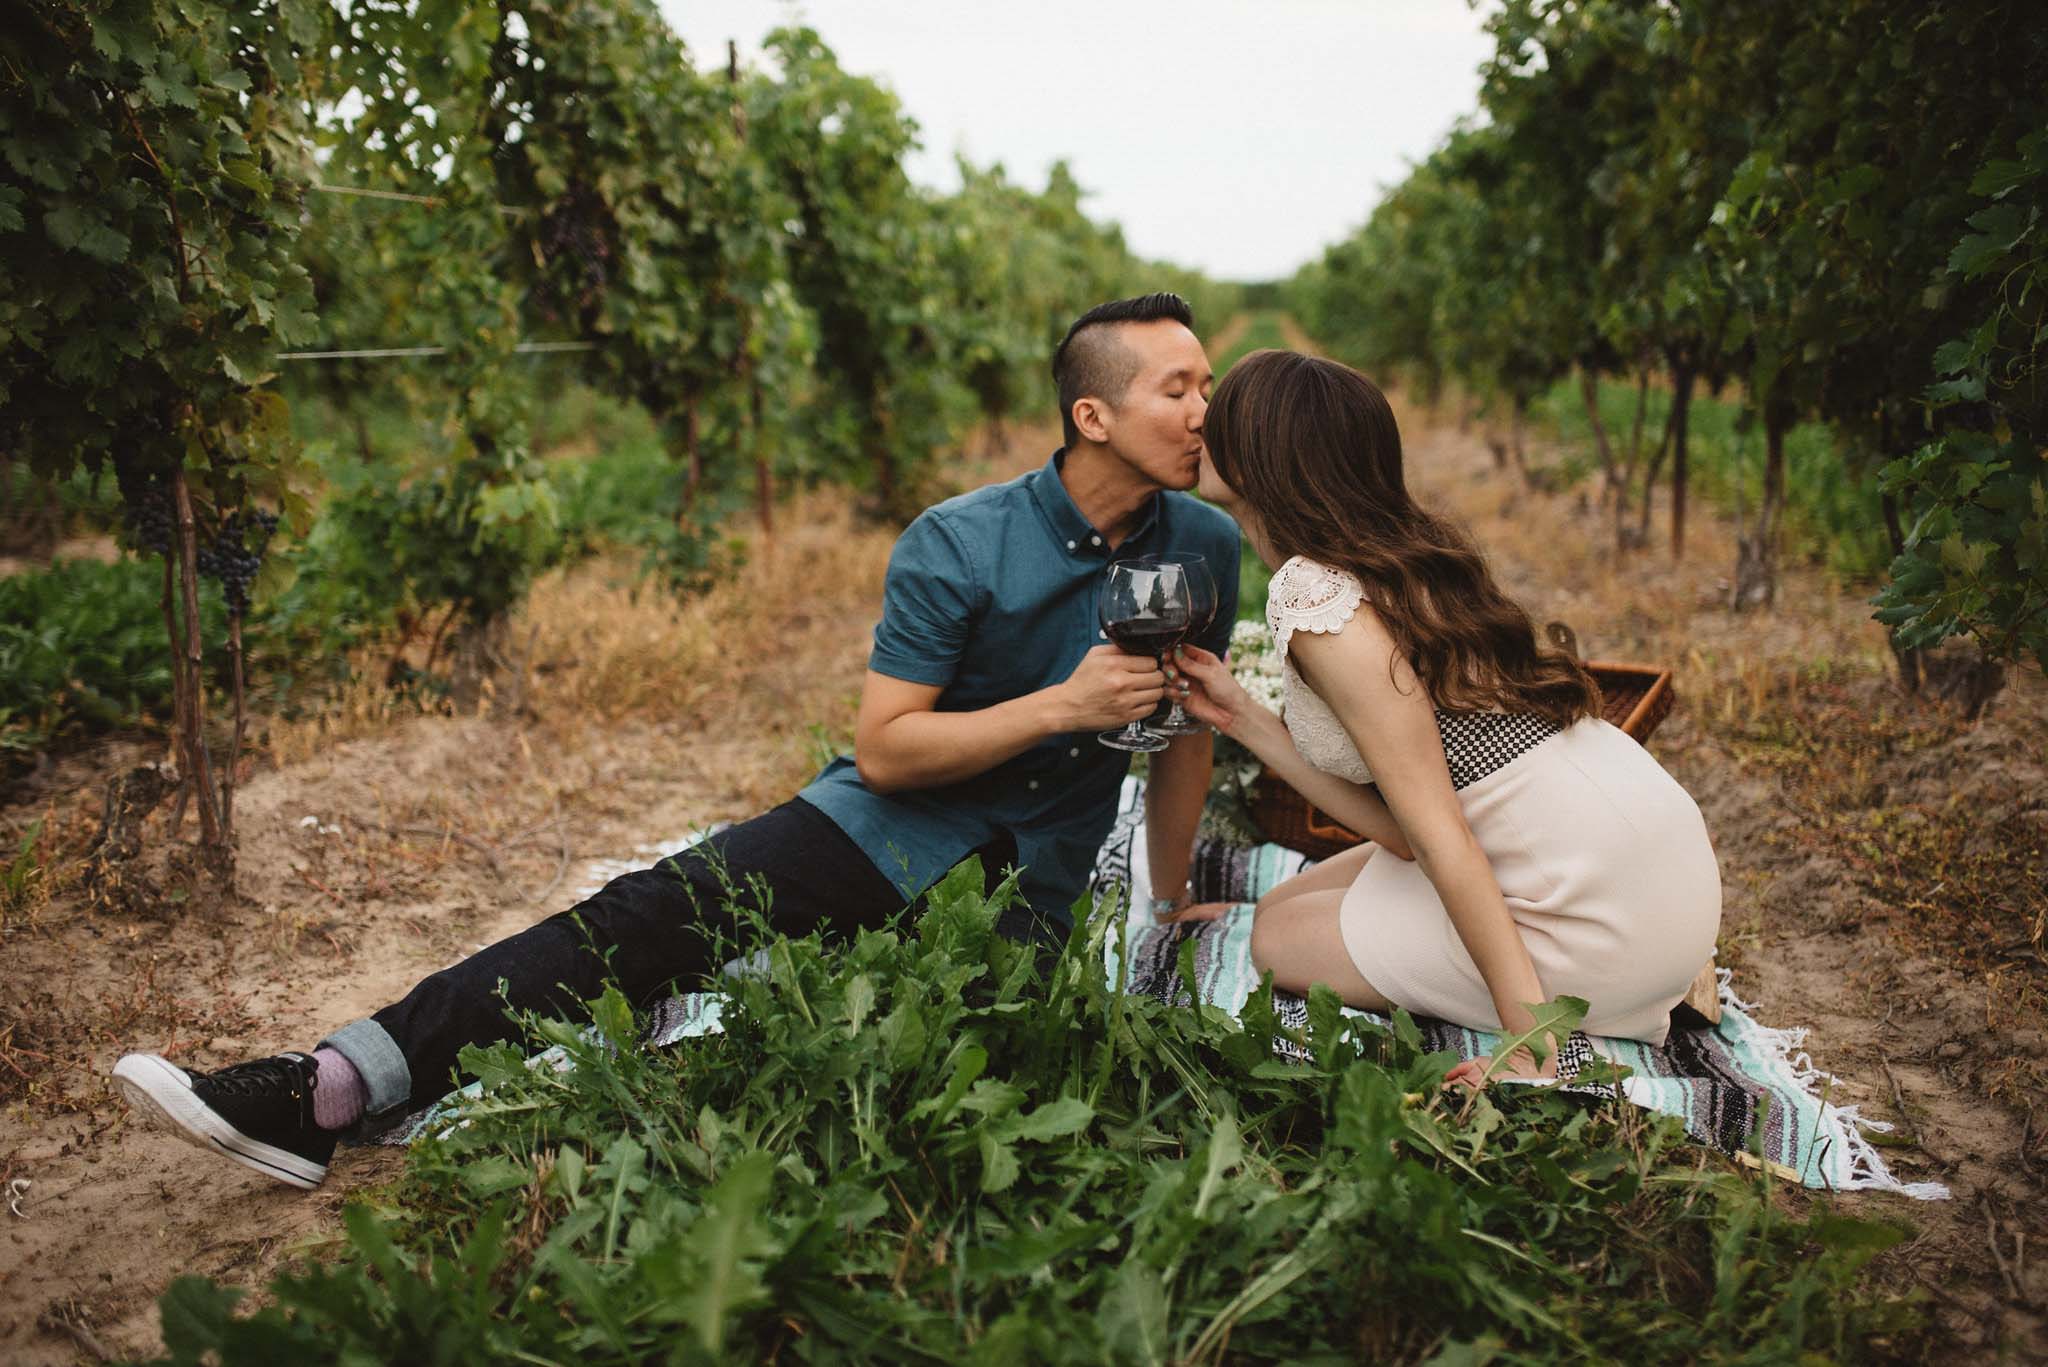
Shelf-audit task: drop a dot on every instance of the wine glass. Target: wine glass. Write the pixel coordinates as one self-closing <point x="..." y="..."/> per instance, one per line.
<point x="1144" y="610"/>
<point x="1201" y="612"/>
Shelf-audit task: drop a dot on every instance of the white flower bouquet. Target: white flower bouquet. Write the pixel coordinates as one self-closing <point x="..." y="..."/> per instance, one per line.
<point x="1255" y="664"/>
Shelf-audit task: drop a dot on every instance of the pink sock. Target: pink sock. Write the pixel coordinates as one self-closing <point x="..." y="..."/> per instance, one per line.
<point x="338" y="1095"/>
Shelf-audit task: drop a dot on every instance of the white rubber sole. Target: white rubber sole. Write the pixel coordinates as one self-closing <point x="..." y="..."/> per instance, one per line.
<point x="159" y="1090"/>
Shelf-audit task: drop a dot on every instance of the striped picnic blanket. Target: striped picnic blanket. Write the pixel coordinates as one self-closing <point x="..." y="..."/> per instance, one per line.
<point x="1741" y="1086"/>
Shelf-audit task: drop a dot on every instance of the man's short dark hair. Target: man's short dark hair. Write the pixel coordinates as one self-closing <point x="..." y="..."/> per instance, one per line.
<point x="1092" y="362"/>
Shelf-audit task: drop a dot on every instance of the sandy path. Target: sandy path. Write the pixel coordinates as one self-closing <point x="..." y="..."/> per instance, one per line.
<point x="1223" y="340"/>
<point x="1297" y="339"/>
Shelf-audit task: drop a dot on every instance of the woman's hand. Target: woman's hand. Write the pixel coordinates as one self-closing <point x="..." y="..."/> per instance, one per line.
<point x="1520" y="1065"/>
<point x="1217" y="699"/>
<point x="1194" y="911"/>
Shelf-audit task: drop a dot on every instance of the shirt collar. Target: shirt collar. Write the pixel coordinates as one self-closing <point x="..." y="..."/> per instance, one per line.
<point x="1074" y="534"/>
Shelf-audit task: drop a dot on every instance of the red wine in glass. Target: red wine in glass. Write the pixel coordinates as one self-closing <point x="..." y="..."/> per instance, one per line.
<point x="1139" y="637"/>
<point x="1144" y="609"/>
<point x="1202" y="604"/>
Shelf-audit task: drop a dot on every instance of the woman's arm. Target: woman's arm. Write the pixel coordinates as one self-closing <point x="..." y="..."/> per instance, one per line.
<point x="1221" y="703"/>
<point x="1356" y="805"/>
<point x="1383" y="707"/>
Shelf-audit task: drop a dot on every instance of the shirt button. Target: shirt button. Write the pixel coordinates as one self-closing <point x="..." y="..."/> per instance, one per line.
<point x="1070" y="545"/>
<point x="1095" y="541"/>
<point x="1074" y="753"/>
<point x="1032" y="785"/>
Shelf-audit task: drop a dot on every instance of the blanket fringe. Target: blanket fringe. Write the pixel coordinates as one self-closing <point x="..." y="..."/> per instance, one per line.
<point x="1784" y="1049"/>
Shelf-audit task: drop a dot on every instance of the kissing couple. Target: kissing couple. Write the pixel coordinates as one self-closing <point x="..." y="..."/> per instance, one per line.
<point x="1517" y="848"/>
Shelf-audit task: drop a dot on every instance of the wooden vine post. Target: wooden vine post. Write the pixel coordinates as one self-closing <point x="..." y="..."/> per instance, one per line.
<point x="743" y="360"/>
<point x="1682" y="376"/>
<point x="189" y="687"/>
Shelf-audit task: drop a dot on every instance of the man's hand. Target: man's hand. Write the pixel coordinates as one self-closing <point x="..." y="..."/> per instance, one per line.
<point x="1109" y="688"/>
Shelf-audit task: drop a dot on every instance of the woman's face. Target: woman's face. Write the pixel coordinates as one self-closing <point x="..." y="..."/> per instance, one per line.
<point x="1209" y="484"/>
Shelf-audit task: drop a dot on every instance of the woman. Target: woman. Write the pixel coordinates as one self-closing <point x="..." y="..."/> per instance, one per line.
<point x="1518" y="847"/>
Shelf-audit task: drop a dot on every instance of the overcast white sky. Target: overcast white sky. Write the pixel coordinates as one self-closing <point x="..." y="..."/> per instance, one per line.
<point x="1237" y="136"/>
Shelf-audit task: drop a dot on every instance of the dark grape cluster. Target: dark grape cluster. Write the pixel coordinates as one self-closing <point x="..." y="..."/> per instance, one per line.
<point x="236" y="553"/>
<point x="145" y="504"/>
<point x="577" y="237"/>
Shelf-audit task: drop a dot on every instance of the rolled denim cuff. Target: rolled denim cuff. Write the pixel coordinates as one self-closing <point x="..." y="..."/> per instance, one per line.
<point x="387" y="1078"/>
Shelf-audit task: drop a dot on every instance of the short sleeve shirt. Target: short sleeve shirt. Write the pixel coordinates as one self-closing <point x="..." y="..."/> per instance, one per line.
<point x="991" y="596"/>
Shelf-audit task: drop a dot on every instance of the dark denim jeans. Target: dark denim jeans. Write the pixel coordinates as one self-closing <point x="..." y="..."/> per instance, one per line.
<point x="650" y="932"/>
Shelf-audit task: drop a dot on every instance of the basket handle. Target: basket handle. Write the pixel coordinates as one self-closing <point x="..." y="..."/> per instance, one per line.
<point x="1323" y="827"/>
<point x="1644" y="709"/>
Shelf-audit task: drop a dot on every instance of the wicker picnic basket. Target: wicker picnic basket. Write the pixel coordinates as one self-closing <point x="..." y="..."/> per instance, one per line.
<point x="1635" y="698"/>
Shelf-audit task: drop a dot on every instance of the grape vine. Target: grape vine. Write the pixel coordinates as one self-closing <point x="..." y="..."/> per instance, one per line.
<point x="149" y="203"/>
<point x="739" y="252"/>
<point x="1841" y="211"/>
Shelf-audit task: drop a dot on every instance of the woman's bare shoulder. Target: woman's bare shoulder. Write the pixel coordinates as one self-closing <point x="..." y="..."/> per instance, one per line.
<point x="1355" y="650"/>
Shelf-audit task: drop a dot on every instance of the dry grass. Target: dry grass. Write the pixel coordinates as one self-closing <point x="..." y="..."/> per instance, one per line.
<point x="361" y="705"/>
<point x="601" y="645"/>
<point x="607" y="648"/>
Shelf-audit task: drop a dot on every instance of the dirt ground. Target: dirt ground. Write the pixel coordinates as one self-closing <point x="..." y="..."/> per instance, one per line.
<point x="1882" y="861"/>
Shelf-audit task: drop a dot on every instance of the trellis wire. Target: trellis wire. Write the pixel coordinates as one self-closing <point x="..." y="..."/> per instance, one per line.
<point x="390" y="352"/>
<point x="405" y="352"/>
<point x="431" y="201"/>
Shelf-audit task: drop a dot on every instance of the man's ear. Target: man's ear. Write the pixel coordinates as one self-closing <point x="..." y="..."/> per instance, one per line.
<point x="1091" y="419"/>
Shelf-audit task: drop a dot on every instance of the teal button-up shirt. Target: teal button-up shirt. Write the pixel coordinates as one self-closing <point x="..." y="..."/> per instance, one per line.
<point x="991" y="596"/>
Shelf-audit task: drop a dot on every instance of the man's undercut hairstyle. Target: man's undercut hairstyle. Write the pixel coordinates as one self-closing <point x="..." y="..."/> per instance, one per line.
<point x="1093" y="362"/>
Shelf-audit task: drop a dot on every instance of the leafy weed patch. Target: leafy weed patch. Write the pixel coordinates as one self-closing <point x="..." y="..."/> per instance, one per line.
<point x="930" y="1145"/>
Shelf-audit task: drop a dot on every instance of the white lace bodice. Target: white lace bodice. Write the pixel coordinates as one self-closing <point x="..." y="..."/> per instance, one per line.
<point x="1307" y="596"/>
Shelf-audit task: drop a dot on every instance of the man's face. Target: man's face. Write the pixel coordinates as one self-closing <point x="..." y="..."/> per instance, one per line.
<point x="1156" y="427"/>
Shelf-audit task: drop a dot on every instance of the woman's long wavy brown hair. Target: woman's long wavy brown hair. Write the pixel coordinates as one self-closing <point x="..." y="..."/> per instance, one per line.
<point x="1313" y="448"/>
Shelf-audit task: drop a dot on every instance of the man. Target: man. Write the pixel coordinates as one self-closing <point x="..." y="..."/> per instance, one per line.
<point x="988" y="682"/>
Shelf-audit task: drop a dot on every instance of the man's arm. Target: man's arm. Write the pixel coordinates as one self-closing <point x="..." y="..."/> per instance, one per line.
<point x="901" y="742"/>
<point x="1174" y="794"/>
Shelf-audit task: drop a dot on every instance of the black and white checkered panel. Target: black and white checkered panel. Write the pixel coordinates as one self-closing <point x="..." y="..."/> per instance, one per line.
<point x="1482" y="743"/>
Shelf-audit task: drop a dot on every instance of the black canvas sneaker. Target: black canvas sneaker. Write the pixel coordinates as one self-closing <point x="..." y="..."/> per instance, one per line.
<point x="260" y="1113"/>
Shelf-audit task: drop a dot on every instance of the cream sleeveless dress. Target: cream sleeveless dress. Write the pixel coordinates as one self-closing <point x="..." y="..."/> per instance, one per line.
<point x="1603" y="858"/>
